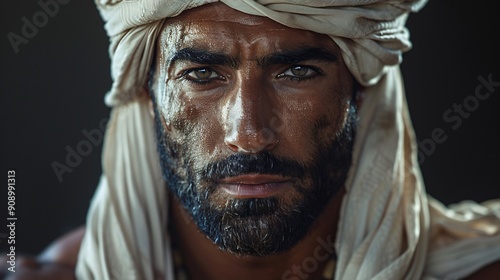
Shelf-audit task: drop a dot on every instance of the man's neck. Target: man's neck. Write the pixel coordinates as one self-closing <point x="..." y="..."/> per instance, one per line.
<point x="306" y="260"/>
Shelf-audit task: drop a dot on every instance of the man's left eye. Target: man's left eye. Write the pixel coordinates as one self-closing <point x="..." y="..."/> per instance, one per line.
<point x="298" y="71"/>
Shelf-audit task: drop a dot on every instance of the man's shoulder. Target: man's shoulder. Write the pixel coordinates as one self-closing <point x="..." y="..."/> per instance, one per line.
<point x="491" y="271"/>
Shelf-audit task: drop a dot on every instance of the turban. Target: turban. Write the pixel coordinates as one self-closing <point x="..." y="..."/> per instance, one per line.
<point x="389" y="228"/>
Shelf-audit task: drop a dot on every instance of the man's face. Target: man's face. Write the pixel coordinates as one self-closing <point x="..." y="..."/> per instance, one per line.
<point x="255" y="125"/>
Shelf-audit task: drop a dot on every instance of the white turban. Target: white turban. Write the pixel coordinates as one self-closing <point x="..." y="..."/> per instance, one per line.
<point x="389" y="227"/>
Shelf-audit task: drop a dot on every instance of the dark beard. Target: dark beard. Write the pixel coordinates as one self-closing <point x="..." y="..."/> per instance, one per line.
<point x="258" y="226"/>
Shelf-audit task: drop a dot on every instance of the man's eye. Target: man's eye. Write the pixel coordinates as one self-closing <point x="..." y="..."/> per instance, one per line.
<point x="299" y="72"/>
<point x="202" y="74"/>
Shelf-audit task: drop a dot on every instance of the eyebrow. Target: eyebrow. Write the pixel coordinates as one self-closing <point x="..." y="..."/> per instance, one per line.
<point x="297" y="56"/>
<point x="205" y="57"/>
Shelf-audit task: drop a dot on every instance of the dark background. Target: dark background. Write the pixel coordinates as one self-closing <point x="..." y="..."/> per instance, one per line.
<point x="53" y="89"/>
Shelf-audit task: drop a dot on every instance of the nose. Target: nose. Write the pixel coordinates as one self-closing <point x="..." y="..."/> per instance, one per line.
<point x="249" y="119"/>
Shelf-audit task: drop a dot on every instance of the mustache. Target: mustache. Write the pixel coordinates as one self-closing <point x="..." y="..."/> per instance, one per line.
<point x="261" y="163"/>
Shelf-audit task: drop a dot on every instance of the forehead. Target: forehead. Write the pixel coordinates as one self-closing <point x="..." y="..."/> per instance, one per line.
<point x="217" y="27"/>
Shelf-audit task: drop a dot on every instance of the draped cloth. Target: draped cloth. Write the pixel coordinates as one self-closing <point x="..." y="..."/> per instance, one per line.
<point x="389" y="228"/>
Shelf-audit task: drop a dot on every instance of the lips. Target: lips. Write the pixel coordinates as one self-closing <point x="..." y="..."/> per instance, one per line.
<point x="254" y="185"/>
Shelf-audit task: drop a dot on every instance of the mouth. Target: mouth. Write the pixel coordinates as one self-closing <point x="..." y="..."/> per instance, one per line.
<point x="254" y="185"/>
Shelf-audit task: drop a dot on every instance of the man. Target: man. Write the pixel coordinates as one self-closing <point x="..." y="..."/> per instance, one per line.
<point x="286" y="148"/>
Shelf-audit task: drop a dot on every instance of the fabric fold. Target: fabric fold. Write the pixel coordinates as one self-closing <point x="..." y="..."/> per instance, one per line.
<point x="126" y="234"/>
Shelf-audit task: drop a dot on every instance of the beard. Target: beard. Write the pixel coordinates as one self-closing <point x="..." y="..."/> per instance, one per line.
<point x="257" y="226"/>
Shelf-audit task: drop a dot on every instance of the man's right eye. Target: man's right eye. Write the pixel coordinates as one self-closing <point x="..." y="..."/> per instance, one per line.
<point x="202" y="75"/>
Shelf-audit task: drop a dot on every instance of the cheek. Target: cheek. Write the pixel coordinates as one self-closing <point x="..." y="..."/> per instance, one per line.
<point x="192" y="123"/>
<point x="331" y="124"/>
<point x="334" y="106"/>
<point x="309" y="122"/>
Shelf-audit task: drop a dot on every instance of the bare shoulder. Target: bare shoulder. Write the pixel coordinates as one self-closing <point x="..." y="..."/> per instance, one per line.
<point x="64" y="250"/>
<point x="491" y="271"/>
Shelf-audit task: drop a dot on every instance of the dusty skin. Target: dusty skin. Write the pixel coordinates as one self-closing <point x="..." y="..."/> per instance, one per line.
<point x="225" y="107"/>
